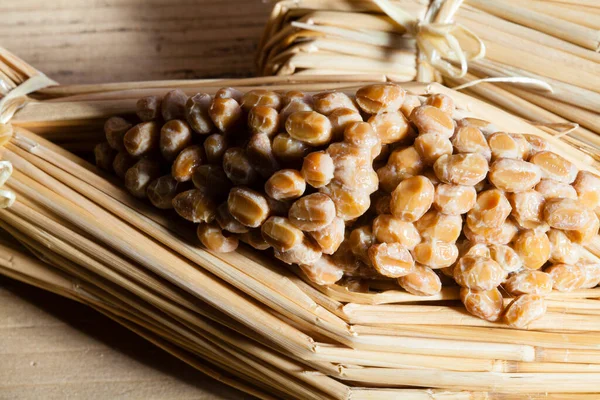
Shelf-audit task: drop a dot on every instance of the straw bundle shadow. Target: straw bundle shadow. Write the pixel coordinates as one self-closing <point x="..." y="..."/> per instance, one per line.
<point x="543" y="54"/>
<point x="264" y="328"/>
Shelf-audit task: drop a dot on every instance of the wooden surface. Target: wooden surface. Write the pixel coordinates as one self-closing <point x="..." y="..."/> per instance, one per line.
<point x="90" y="41"/>
<point x="51" y="348"/>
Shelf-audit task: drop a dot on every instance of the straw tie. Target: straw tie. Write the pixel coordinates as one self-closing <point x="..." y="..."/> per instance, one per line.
<point x="13" y="101"/>
<point x="439" y="41"/>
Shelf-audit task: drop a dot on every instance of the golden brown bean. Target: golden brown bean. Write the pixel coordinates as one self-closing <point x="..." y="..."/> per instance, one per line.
<point x="263" y="119"/>
<point x="536" y="144"/>
<point x="490" y="211"/>
<point x="380" y="97"/>
<point x="286" y="184"/>
<point x="468" y="248"/>
<point x="330" y="237"/>
<point x="389" y="229"/>
<point x="391" y="259"/>
<point x="104" y="155"/>
<point x="175" y="135"/>
<point x="317" y="169"/>
<point x="309" y="127"/>
<point x="305" y="253"/>
<point x="122" y="162"/>
<point x="555" y="167"/>
<point x="410" y="103"/>
<point x="148" y="108"/>
<point x="501" y="235"/>
<point x="238" y="168"/>
<point x="195" y="205"/>
<point x="324" y="271"/>
<point x="391" y="126"/>
<point x="293" y="96"/>
<point x="349" y="204"/>
<point x="196" y="113"/>
<point x="362" y="135"/>
<point x="421" y="282"/>
<point x="215" y="146"/>
<point x="226" y="114"/>
<point x="173" y="105"/>
<point x="229" y="93"/>
<point x="508" y="145"/>
<point x="567" y="214"/>
<point x="254" y="238"/>
<point x="214" y="239"/>
<point x="281" y="234"/>
<point x="484" y="304"/>
<point x="563" y="250"/>
<point x="437" y="226"/>
<point x="412" y="198"/>
<point x="359" y="241"/>
<point x="248" y="206"/>
<point x="402" y="164"/>
<point x="552" y="189"/>
<point x="186" y="163"/>
<point x="441" y="101"/>
<point x="461" y="169"/>
<point x="587" y="233"/>
<point x="469" y="139"/>
<point x="429" y="119"/>
<point x="533" y="247"/>
<point x="162" y="191"/>
<point x="514" y="175"/>
<point x="260" y="154"/>
<point x="312" y="212"/>
<point x="227" y="222"/>
<point x="142" y="139"/>
<point x="211" y="179"/>
<point x="353" y="170"/>
<point x="287" y="149"/>
<point x="138" y="177"/>
<point x="261" y="97"/>
<point x="504" y="255"/>
<point x="432" y="146"/>
<point x="524" y="310"/>
<point x="566" y="277"/>
<point x="527" y="206"/>
<point x="292" y="107"/>
<point x="327" y="102"/>
<point x="529" y="282"/>
<point x="587" y="186"/>
<point x="592" y="273"/>
<point x="478" y="273"/>
<point x="115" y="129"/>
<point x="435" y="254"/>
<point x="340" y="119"/>
<point x="454" y="199"/>
<point x="486" y="127"/>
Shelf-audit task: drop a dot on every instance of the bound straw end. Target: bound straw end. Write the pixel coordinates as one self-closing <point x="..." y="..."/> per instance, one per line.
<point x="7" y="198"/>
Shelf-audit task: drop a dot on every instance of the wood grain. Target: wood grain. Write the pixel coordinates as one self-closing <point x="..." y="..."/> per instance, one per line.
<point x="51" y="348"/>
<point x="90" y="41"/>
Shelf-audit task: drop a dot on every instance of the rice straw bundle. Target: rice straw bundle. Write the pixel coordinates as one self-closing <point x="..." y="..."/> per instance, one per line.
<point x="264" y="329"/>
<point x="539" y="58"/>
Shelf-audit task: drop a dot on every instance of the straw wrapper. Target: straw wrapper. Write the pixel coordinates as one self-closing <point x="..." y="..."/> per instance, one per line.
<point x="263" y="328"/>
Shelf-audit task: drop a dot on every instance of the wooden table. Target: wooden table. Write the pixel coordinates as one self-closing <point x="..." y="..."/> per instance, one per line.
<point x="51" y="348"/>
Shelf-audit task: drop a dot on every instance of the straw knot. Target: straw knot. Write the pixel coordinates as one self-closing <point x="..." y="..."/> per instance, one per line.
<point x="12" y="101"/>
<point x="16" y="98"/>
